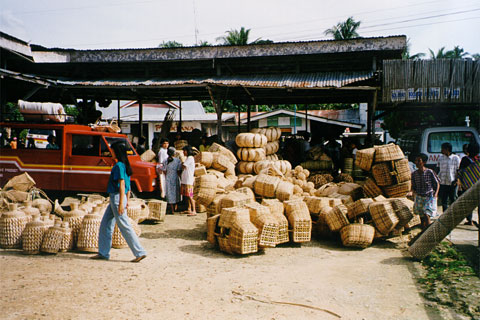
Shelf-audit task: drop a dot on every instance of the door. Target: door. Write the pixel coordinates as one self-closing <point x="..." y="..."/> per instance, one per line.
<point x="88" y="163"/>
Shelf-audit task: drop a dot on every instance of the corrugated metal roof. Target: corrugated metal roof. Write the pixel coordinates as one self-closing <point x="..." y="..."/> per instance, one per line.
<point x="303" y="80"/>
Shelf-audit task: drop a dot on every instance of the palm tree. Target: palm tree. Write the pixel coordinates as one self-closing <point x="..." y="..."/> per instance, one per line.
<point x="406" y="53"/>
<point x="441" y="54"/>
<point x="170" y="44"/>
<point x="344" y="30"/>
<point x="236" y="37"/>
<point x="456" y="53"/>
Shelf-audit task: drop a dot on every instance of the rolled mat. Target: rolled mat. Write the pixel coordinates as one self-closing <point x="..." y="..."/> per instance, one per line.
<point x="437" y="231"/>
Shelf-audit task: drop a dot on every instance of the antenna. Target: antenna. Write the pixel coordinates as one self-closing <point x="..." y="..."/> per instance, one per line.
<point x="195" y="22"/>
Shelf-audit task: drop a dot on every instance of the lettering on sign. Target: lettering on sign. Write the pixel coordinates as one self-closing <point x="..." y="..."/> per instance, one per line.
<point x="433" y="157"/>
<point x="423" y="94"/>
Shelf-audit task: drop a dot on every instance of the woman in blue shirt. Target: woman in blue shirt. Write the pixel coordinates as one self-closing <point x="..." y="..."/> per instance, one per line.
<point x="119" y="190"/>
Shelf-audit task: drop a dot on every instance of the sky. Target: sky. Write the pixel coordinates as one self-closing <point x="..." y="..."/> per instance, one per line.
<point x="109" y="24"/>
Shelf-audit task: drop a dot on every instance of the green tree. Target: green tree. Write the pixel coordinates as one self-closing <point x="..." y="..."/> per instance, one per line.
<point x="170" y="44"/>
<point x="441" y="54"/>
<point x="476" y="56"/>
<point x="11" y="112"/>
<point x="236" y="37"/>
<point x="456" y="53"/>
<point x="203" y="44"/>
<point x="344" y="30"/>
<point x="406" y="53"/>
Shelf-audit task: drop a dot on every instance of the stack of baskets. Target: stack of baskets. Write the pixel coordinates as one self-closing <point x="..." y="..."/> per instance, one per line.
<point x="236" y="233"/>
<point x="300" y="222"/>
<point x="251" y="149"/>
<point x="389" y="169"/>
<point x="265" y="222"/>
<point x="273" y="135"/>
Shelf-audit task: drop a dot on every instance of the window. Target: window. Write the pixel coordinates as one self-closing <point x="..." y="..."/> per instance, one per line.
<point x="456" y="138"/>
<point x="112" y="140"/>
<point x="85" y="145"/>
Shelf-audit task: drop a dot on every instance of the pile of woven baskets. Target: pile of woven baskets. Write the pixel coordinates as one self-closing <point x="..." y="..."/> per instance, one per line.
<point x="389" y="173"/>
<point x="40" y="226"/>
<point x="317" y="160"/>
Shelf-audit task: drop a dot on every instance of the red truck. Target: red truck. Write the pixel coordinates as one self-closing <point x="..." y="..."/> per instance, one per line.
<point x="81" y="160"/>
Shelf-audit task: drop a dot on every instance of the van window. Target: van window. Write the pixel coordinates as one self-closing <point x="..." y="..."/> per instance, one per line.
<point x="112" y="140"/>
<point x="85" y="145"/>
<point x="456" y="138"/>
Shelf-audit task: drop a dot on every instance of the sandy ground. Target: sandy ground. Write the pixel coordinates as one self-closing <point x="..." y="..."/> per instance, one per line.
<point x="184" y="277"/>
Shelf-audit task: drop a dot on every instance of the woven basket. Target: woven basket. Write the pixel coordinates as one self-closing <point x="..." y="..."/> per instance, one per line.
<point x="383" y="216"/>
<point x="148" y="156"/>
<point x="23" y="182"/>
<point x="234" y="199"/>
<point x="327" y="189"/>
<point x="370" y="188"/>
<point x="205" y="158"/>
<point x="52" y="239"/>
<point x="347" y="166"/>
<point x="403" y="209"/>
<point x="415" y="221"/>
<point x="212" y="226"/>
<point x="247" y="191"/>
<point x="398" y="190"/>
<point x="359" y="208"/>
<point x="157" y="209"/>
<point x="383" y="174"/>
<point x="351" y="189"/>
<point x="32" y="236"/>
<point x="88" y="234"/>
<point x="215" y="147"/>
<point x="200" y="208"/>
<point x="74" y="217"/>
<point x="67" y="242"/>
<point x="237" y="233"/>
<point x="402" y="170"/>
<point x="316" y="204"/>
<point x="299" y="220"/>
<point x="388" y="152"/>
<point x="266" y="224"/>
<point x="364" y="158"/>
<point x="200" y="170"/>
<point x="320" y="227"/>
<point x="137" y="210"/>
<point x="284" y="191"/>
<point x="337" y="218"/>
<point x="216" y="206"/>
<point x="207" y="189"/>
<point x="220" y="162"/>
<point x="266" y="186"/>
<point x="118" y="241"/>
<point x="357" y="235"/>
<point x="12" y="224"/>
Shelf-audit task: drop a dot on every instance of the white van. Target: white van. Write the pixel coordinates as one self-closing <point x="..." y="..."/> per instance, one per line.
<point x="429" y="141"/>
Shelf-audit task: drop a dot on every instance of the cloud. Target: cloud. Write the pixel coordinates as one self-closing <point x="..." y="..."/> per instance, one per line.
<point x="12" y="25"/>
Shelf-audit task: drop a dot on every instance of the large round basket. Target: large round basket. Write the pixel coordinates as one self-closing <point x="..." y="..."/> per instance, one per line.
<point x="52" y="239"/>
<point x="388" y="152"/>
<point x="88" y="235"/>
<point x="12" y="224"/>
<point x="32" y="236"/>
<point x="205" y="158"/>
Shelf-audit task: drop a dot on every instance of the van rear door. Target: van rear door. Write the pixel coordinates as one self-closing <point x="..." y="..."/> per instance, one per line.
<point x="87" y="164"/>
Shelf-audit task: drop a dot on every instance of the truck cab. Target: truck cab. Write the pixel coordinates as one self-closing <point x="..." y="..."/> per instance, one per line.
<point x="81" y="160"/>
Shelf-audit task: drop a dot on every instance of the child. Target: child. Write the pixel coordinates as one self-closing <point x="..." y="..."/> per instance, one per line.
<point x="425" y="186"/>
<point x="187" y="179"/>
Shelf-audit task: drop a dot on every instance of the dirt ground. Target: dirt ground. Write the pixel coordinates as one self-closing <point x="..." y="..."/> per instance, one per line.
<point x="184" y="277"/>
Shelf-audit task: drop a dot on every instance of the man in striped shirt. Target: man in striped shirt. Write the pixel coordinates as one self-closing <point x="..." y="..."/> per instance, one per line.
<point x="448" y="163"/>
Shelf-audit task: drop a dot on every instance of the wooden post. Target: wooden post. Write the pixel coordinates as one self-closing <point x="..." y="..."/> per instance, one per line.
<point x="238" y="108"/>
<point x="248" y="118"/>
<point x="370" y="112"/>
<point x="218" y="108"/>
<point x="306" y="118"/>
<point x="140" y="116"/>
<point x="118" y="112"/>
<point x="179" y="128"/>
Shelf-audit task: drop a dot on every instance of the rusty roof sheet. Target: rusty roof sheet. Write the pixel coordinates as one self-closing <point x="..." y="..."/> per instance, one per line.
<point x="303" y="80"/>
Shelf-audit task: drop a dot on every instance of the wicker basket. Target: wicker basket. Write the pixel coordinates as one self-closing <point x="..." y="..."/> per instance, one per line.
<point x="402" y="171"/>
<point x="88" y="234"/>
<point x="234" y="199"/>
<point x="207" y="189"/>
<point x="327" y="189"/>
<point x="237" y="233"/>
<point x="22" y="182"/>
<point x="351" y="189"/>
<point x="74" y="217"/>
<point x="266" y="186"/>
<point x="200" y="170"/>
<point x="415" y="221"/>
<point x="148" y="156"/>
<point x="403" y="209"/>
<point x="216" y="206"/>
<point x="12" y="224"/>
<point x="364" y="158"/>
<point x="357" y="235"/>
<point x="383" y="216"/>
<point x="320" y="227"/>
<point x="52" y="239"/>
<point x="347" y="166"/>
<point x="212" y="229"/>
<point x="67" y="242"/>
<point x="135" y="209"/>
<point x="284" y="191"/>
<point x="359" y="208"/>
<point x="276" y="208"/>
<point x="316" y="204"/>
<point x="299" y="220"/>
<point x="398" y="190"/>
<point x="383" y="174"/>
<point x="337" y="218"/>
<point x="266" y="224"/>
<point x="215" y="147"/>
<point x="248" y="192"/>
<point x="388" y="152"/>
<point x="205" y="158"/>
<point x="157" y="209"/>
<point x="370" y="188"/>
<point x="32" y="236"/>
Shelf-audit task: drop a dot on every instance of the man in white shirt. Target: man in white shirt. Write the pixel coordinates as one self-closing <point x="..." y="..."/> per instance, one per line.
<point x="448" y="165"/>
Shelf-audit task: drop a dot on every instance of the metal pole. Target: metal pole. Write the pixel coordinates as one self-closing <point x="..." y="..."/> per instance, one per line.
<point x="306" y="118"/>
<point x="295" y="120"/>
<point x="179" y="128"/>
<point x="118" y="111"/>
<point x="140" y="120"/>
<point x="248" y="118"/>
<point x="238" y="108"/>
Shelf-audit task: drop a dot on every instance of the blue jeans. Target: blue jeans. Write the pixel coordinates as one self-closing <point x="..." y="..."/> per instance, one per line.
<point x="107" y="225"/>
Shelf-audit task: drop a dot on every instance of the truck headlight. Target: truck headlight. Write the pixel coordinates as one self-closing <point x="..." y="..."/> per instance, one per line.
<point x="154" y="183"/>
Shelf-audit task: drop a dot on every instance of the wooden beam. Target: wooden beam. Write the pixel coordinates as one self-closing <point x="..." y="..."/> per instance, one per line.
<point x="219" y="110"/>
